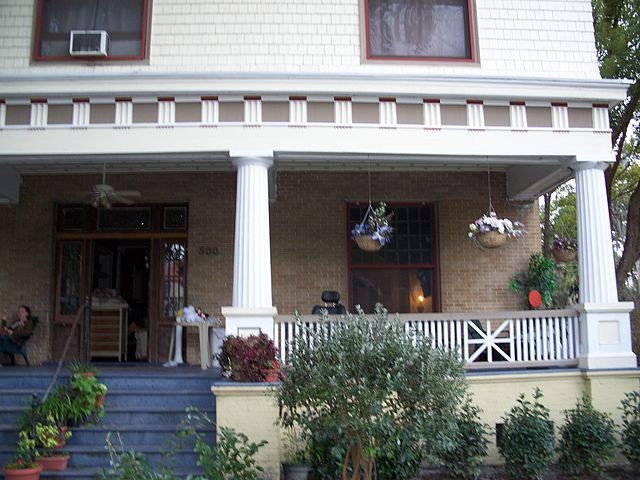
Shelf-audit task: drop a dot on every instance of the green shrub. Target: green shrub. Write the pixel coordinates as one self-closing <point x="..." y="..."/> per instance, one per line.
<point x="527" y="439"/>
<point x="631" y="428"/>
<point x="232" y="456"/>
<point x="466" y="457"/>
<point x="369" y="397"/>
<point x="540" y="276"/>
<point x="130" y="465"/>
<point x="586" y="440"/>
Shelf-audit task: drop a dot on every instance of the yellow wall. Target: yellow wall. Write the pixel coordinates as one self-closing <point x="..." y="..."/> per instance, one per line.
<point x="252" y="409"/>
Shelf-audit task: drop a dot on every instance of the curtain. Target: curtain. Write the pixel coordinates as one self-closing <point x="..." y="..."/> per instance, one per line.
<point x="418" y="28"/>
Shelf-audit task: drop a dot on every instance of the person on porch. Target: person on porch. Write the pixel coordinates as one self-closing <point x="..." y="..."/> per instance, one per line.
<point x="13" y="331"/>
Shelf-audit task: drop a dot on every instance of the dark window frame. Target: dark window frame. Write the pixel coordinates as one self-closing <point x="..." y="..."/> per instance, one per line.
<point x="433" y="266"/>
<point x="142" y="54"/>
<point x="473" y="55"/>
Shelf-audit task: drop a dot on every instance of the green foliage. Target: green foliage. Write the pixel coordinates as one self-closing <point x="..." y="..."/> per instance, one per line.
<point x="84" y="390"/>
<point x="365" y="395"/>
<point x="231" y="458"/>
<point x="527" y="439"/>
<point x="587" y="440"/>
<point x="631" y="428"/>
<point x="48" y="435"/>
<point x="539" y="276"/>
<point x="129" y="465"/>
<point x="465" y="459"/>
<point x="25" y="455"/>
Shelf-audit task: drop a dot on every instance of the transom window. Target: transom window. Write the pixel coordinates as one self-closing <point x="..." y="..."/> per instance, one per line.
<point x="419" y="29"/>
<point x="124" y="21"/>
<point x="402" y="275"/>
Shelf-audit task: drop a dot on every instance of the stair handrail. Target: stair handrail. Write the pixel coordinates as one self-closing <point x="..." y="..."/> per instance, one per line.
<point x="81" y="313"/>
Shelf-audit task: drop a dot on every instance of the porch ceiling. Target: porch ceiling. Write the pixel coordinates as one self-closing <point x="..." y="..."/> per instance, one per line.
<point x="528" y="176"/>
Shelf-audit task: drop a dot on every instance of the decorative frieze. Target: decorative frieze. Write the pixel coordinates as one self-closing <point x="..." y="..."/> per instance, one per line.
<point x="252" y="110"/>
<point x="81" y="112"/>
<point x="475" y="114"/>
<point x="210" y="110"/>
<point x="298" y="110"/>
<point x="432" y="114"/>
<point x="600" y="113"/>
<point x="124" y="112"/>
<point x="559" y="116"/>
<point x="166" y="111"/>
<point x="3" y="113"/>
<point x="343" y="111"/>
<point x="388" y="112"/>
<point x="39" y="113"/>
<point x="518" y="115"/>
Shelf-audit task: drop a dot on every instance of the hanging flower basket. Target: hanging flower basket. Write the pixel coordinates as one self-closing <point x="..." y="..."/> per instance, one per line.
<point x="564" y="249"/>
<point x="489" y="231"/>
<point x="368" y="243"/>
<point x="374" y="232"/>
<point x="492" y="239"/>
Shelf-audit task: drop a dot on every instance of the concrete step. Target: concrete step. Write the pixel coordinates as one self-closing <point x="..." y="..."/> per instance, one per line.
<point x="170" y="398"/>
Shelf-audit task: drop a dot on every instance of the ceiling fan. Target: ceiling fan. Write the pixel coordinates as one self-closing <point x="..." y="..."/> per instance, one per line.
<point x="103" y="195"/>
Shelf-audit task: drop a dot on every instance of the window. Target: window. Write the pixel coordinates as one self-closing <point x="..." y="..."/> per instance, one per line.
<point x="125" y="22"/>
<point x="419" y="30"/>
<point x="402" y="275"/>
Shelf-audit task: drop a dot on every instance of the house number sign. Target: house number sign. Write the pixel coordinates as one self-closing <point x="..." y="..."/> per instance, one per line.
<point x="208" y="251"/>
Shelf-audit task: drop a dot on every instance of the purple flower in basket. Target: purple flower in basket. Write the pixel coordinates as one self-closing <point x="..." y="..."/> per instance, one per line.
<point x="491" y="223"/>
<point x="375" y="224"/>
<point x="565" y="243"/>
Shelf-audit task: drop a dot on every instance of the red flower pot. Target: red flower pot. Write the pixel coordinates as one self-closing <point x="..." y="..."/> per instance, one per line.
<point x="60" y="438"/>
<point x="22" y="473"/>
<point x="56" y="462"/>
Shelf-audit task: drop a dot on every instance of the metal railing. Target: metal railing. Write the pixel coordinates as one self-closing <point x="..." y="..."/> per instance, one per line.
<point x="482" y="339"/>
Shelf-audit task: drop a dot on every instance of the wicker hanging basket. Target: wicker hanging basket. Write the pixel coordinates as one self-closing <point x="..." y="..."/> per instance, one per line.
<point x="562" y="255"/>
<point x="491" y="239"/>
<point x="368" y="243"/>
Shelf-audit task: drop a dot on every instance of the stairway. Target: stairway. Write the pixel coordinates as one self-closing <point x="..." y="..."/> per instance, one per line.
<point x="144" y="404"/>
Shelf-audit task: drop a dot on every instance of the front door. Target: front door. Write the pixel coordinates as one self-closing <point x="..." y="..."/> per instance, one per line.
<point x="131" y="266"/>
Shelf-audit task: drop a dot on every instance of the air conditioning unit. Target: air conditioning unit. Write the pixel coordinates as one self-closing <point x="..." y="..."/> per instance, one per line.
<point x="88" y="43"/>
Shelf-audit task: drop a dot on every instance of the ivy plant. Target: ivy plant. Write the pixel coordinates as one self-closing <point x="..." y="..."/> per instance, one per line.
<point x="540" y="276"/>
<point x="527" y="439"/>
<point x="370" y="398"/>
<point x="587" y="440"/>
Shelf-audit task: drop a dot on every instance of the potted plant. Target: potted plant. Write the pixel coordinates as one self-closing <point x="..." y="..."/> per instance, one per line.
<point x="22" y="465"/>
<point x="539" y="277"/>
<point x="295" y="458"/>
<point x="83" y="368"/>
<point x="564" y="249"/>
<point x="374" y="231"/>
<point x="489" y="231"/>
<point x="47" y="438"/>
<point x="87" y="395"/>
<point x="248" y="359"/>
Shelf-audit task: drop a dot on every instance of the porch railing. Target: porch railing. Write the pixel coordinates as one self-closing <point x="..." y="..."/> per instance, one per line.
<point x="483" y="340"/>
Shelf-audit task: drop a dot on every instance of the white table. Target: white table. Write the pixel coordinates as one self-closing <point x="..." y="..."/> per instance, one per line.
<point x="203" y="327"/>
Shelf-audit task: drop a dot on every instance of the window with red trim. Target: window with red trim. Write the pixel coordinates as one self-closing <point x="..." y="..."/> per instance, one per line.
<point x="419" y="30"/>
<point x="125" y="22"/>
<point x="403" y="275"/>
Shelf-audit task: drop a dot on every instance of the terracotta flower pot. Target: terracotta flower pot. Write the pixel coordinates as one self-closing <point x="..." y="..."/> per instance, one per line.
<point x="56" y="462"/>
<point x="22" y="473"/>
<point x="99" y="403"/>
<point x="60" y="438"/>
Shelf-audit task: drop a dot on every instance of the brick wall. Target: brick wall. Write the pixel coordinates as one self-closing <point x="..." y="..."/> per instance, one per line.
<point x="544" y="38"/>
<point x="308" y="237"/>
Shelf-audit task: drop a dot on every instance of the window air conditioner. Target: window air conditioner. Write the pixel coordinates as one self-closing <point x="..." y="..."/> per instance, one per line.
<point x="88" y="43"/>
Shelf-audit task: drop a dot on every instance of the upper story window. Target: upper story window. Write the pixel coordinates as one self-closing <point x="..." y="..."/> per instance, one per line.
<point x="118" y="29"/>
<point x="419" y="30"/>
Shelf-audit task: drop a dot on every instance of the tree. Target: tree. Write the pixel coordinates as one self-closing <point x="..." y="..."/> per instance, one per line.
<point x="617" y="30"/>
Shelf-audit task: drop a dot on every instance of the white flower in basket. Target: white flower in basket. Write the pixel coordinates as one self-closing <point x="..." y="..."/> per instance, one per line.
<point x="491" y="231"/>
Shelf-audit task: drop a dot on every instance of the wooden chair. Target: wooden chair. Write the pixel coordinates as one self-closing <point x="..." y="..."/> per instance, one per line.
<point x="14" y="349"/>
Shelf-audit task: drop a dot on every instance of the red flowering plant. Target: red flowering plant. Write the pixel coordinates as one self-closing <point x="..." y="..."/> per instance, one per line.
<point x="248" y="359"/>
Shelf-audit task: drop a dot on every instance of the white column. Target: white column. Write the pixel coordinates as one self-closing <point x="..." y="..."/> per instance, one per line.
<point x="605" y="326"/>
<point x="252" y="307"/>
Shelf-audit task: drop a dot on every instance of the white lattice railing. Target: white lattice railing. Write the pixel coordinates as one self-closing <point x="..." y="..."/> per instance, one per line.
<point x="483" y="340"/>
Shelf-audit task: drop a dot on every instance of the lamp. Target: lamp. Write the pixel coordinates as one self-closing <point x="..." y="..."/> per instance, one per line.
<point x="420" y="307"/>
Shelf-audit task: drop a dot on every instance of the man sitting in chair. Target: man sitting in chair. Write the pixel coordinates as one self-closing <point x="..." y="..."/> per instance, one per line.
<point x="14" y="331"/>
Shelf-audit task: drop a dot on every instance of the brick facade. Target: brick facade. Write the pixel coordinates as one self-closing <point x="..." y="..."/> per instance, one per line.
<point x="308" y="237"/>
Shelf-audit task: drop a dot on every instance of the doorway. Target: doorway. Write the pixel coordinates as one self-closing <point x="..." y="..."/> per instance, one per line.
<point x="121" y="280"/>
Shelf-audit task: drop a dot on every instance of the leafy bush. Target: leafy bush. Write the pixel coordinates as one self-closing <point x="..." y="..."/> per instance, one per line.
<point x="130" y="465"/>
<point x="631" y="428"/>
<point x="366" y="394"/>
<point x="586" y="440"/>
<point x="527" y="439"/>
<point x="232" y="456"/>
<point x="466" y="457"/>
<point x="539" y="276"/>
<point x="247" y="359"/>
